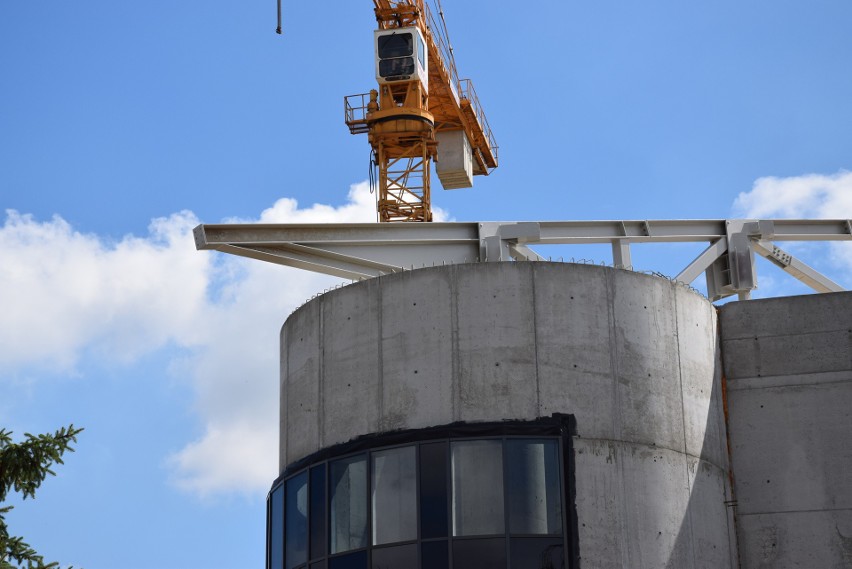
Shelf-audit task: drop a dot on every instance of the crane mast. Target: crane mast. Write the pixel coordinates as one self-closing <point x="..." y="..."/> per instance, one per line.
<point x="420" y="113"/>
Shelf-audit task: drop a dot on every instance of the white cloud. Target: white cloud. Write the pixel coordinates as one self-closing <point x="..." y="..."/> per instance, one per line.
<point x="811" y="196"/>
<point x="361" y="208"/>
<point x="236" y="370"/>
<point x="63" y="293"/>
<point x="808" y="196"/>
<point x="232" y="456"/>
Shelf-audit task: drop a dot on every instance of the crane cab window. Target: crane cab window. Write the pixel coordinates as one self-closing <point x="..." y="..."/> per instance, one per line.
<point x="395" y="55"/>
<point x="396" y="45"/>
<point x="397" y="68"/>
<point x="400" y="55"/>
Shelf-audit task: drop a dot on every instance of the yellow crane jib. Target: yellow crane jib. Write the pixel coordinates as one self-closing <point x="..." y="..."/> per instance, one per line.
<point x="420" y="112"/>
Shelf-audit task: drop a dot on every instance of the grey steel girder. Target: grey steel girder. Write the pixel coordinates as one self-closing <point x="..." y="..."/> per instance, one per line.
<point x="790" y="265"/>
<point x="363" y="250"/>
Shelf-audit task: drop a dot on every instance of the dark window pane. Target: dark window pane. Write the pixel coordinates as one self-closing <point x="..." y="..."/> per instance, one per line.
<point x="395" y="45"/>
<point x="296" y="521"/>
<point x="433" y="491"/>
<point x="276" y="529"/>
<point x="477" y="487"/>
<point x="535" y="502"/>
<point x="480" y="553"/>
<point x="399" y="557"/>
<point x="352" y="561"/>
<point x="394" y="495"/>
<point x="318" y="534"/>
<point x="318" y="565"/>
<point x="348" y="504"/>
<point x="396" y="67"/>
<point x="421" y="52"/>
<point x="435" y="555"/>
<point x="537" y="553"/>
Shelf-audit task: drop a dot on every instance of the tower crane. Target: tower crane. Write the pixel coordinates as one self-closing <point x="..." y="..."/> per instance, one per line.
<point x="420" y="112"/>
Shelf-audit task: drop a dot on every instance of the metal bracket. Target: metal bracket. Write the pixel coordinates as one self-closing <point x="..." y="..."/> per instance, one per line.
<point x="501" y="241"/>
<point x="704" y="261"/>
<point x="792" y="266"/>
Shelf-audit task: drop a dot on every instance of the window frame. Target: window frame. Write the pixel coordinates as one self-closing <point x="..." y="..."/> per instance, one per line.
<point x="559" y="428"/>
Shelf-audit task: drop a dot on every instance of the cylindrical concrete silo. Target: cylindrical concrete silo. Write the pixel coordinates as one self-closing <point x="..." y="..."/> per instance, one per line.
<point x="508" y="415"/>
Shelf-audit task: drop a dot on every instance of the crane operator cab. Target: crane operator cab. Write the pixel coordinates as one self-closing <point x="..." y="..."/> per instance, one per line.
<point x="401" y="56"/>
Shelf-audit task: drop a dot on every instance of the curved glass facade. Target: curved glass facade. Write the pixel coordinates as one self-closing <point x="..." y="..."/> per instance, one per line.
<point x="456" y="502"/>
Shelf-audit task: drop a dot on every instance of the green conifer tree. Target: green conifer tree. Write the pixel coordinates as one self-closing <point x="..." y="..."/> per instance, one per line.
<point x="23" y="467"/>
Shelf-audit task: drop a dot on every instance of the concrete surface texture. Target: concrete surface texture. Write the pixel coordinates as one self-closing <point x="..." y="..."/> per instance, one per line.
<point x="633" y="357"/>
<point x="788" y="365"/>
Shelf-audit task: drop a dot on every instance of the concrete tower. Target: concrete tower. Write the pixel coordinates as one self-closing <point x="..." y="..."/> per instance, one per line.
<point x="560" y="413"/>
<point x="494" y="414"/>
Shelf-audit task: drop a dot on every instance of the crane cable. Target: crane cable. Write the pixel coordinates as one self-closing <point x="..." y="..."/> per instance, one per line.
<point x="446" y="34"/>
<point x="373" y="177"/>
<point x="371" y="171"/>
<point x="278" y="29"/>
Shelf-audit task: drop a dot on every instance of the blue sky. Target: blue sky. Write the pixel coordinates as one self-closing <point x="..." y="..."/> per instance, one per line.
<point x="122" y="125"/>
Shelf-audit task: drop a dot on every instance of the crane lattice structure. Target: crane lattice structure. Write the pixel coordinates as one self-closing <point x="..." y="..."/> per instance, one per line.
<point x="421" y="112"/>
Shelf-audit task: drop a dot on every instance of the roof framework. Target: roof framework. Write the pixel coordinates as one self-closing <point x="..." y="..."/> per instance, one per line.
<point x="363" y="250"/>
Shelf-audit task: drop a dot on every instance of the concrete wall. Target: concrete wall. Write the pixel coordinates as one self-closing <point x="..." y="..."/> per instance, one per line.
<point x="633" y="357"/>
<point x="788" y="364"/>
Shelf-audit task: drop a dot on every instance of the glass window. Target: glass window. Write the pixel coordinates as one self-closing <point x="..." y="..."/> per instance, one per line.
<point x="535" y="503"/>
<point x="348" y="504"/>
<point x="480" y="553"/>
<point x="276" y="529"/>
<point x="537" y="553"/>
<point x="433" y="491"/>
<point x="421" y="52"/>
<point x="477" y="475"/>
<point x="395" y="45"/>
<point x="399" y="557"/>
<point x="318" y="519"/>
<point x="448" y="501"/>
<point x="435" y="555"/>
<point x="396" y="67"/>
<point x="394" y="495"/>
<point x="357" y="560"/>
<point x="296" y="521"/>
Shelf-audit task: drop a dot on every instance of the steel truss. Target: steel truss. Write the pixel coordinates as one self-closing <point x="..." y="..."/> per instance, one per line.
<point x="359" y="251"/>
<point x="404" y="182"/>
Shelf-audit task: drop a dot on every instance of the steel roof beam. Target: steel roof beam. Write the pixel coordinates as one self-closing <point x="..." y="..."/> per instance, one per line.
<point x="363" y="250"/>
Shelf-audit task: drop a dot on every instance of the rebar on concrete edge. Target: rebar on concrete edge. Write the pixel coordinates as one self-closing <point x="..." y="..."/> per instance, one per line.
<point x="573" y="261"/>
